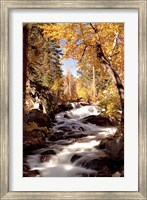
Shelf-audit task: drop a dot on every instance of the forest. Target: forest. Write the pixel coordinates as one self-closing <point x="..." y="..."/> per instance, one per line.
<point x="73" y="125"/>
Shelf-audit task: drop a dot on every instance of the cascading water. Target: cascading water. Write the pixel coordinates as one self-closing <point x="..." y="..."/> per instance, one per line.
<point x="76" y="147"/>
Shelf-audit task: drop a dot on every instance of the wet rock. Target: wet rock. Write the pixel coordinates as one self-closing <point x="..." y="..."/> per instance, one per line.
<point x="53" y="138"/>
<point x="104" y="166"/>
<point x="60" y="123"/>
<point x="38" y="117"/>
<point x="32" y="173"/>
<point x="103" y="143"/>
<point x="34" y="138"/>
<point x="81" y="129"/>
<point x="119" y="132"/>
<point x="49" y="152"/>
<point x="89" y="175"/>
<point x="75" y="158"/>
<point x="96" y="164"/>
<point x="104" y="173"/>
<point x="84" y="175"/>
<point x="63" y="107"/>
<point x="26" y="167"/>
<point x="31" y="149"/>
<point x="116" y="174"/>
<point x="81" y="135"/>
<point x="52" y="116"/>
<point x="121" y="168"/>
<point x="66" y="116"/>
<point x="115" y="148"/>
<point x="37" y="92"/>
<point x="46" y="155"/>
<point x="74" y="126"/>
<point x="58" y="110"/>
<point x="66" y="129"/>
<point x="122" y="173"/>
<point x="98" y="120"/>
<point x="58" y="134"/>
<point x="45" y="158"/>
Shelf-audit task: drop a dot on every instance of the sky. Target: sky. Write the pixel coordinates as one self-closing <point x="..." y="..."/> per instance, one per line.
<point x="71" y="64"/>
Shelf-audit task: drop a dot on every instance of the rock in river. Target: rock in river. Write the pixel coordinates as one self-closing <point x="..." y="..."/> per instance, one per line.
<point x="98" y="120"/>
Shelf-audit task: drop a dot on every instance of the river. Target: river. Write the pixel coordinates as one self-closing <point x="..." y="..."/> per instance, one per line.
<point x="75" y="149"/>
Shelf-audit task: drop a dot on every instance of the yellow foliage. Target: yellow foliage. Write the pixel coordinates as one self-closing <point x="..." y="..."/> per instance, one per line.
<point x="81" y="39"/>
<point x="109" y="100"/>
<point x="84" y="93"/>
<point x="33" y="126"/>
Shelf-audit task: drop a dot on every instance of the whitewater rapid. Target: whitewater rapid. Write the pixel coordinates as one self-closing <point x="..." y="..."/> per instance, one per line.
<point x="72" y="153"/>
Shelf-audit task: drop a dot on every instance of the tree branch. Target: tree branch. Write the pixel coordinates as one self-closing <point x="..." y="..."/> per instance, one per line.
<point x="95" y="30"/>
<point x="100" y="54"/>
<point x="83" y="53"/>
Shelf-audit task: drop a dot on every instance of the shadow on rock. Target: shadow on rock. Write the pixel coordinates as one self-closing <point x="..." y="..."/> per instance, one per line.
<point x="98" y="120"/>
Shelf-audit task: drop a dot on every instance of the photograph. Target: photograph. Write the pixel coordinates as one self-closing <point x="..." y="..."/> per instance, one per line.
<point x="73" y="99"/>
<point x="73" y="103"/>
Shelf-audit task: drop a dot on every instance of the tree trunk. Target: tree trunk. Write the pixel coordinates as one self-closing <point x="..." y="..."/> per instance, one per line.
<point x="93" y="84"/>
<point x="25" y="59"/>
<point x="112" y="72"/>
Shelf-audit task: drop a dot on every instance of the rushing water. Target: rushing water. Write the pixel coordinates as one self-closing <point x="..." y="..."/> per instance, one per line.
<point x="68" y="157"/>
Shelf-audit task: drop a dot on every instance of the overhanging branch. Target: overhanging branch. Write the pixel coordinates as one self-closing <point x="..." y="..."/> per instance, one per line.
<point x="83" y="53"/>
<point x="95" y="30"/>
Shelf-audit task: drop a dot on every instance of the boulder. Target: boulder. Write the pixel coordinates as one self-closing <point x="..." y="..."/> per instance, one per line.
<point x="66" y="129"/>
<point x="45" y="158"/>
<point x="119" y="132"/>
<point x="66" y="116"/>
<point x="53" y="138"/>
<point x="38" y="117"/>
<point x="52" y="116"/>
<point x="46" y="155"/>
<point x="26" y="167"/>
<point x="32" y="173"/>
<point x="98" y="120"/>
<point x="122" y="170"/>
<point x="34" y="138"/>
<point x="39" y="96"/>
<point x="62" y="108"/>
<point x="97" y="164"/>
<point x="88" y="174"/>
<point x="75" y="157"/>
<point x="115" y="148"/>
<point x="49" y="152"/>
<point x="116" y="174"/>
<point x="102" y="143"/>
<point x="27" y="172"/>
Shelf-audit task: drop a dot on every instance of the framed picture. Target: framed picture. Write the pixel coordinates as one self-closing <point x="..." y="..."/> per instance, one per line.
<point x="73" y="99"/>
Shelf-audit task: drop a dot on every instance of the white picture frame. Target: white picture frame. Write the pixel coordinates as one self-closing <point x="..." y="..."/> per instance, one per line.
<point x="6" y="6"/>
